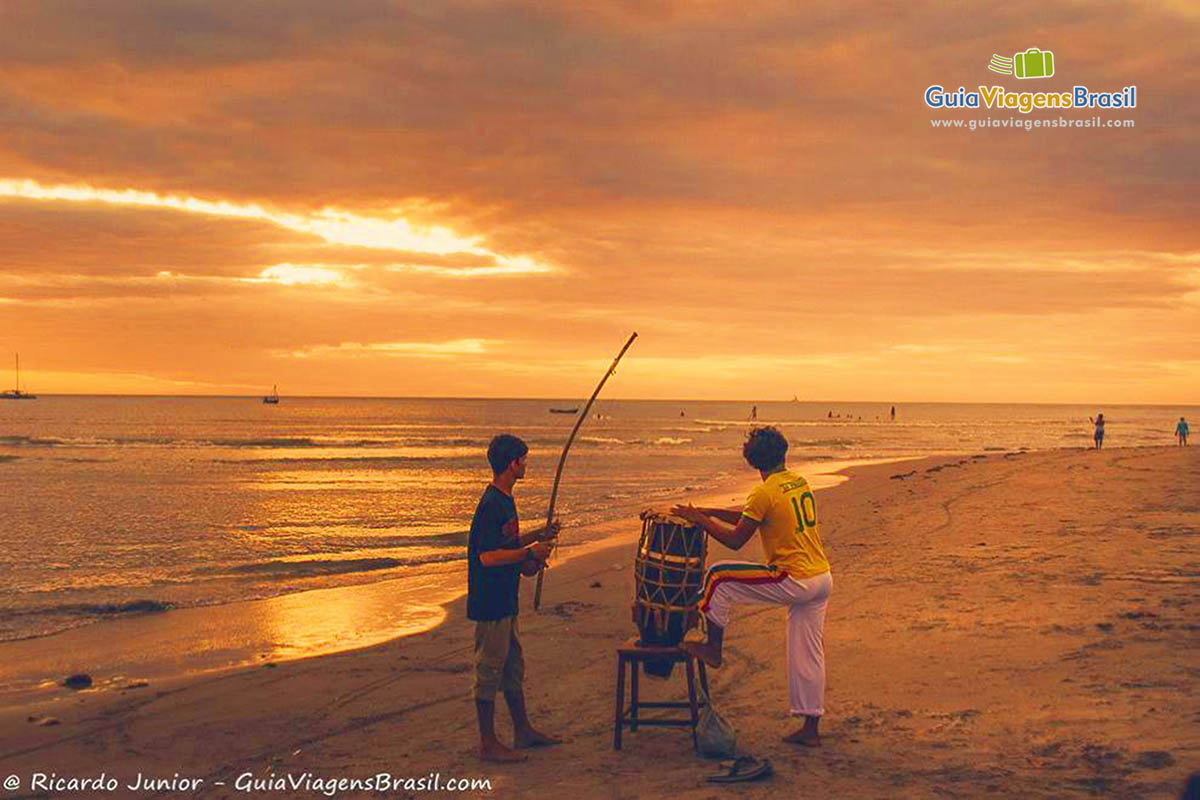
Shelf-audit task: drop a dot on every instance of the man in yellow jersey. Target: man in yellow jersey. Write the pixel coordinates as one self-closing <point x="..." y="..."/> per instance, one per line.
<point x="783" y="512"/>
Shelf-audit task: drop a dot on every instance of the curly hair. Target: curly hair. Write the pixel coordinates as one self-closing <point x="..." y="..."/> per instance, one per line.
<point x="503" y="450"/>
<point x="765" y="448"/>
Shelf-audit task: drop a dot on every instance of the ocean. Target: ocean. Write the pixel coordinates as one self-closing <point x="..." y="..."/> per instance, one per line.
<point x="116" y="507"/>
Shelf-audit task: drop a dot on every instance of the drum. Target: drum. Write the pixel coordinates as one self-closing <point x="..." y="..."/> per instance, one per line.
<point x="668" y="576"/>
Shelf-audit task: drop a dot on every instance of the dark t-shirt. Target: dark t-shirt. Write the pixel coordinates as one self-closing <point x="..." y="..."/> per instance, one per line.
<point x="492" y="591"/>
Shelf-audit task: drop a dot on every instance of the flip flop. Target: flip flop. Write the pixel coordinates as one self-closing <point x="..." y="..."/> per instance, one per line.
<point x="746" y="768"/>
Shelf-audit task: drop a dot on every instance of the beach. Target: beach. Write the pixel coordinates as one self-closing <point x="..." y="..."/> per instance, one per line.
<point x="1016" y="624"/>
<point x="299" y="299"/>
<point x="119" y="507"/>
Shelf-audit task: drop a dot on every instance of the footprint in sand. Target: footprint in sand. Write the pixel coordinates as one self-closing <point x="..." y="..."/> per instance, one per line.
<point x="570" y="608"/>
<point x="1154" y="759"/>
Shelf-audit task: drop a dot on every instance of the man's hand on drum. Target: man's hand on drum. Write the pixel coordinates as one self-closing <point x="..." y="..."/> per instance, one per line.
<point x="689" y="512"/>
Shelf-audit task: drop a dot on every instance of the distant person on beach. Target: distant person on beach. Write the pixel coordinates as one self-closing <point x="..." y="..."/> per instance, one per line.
<point x="783" y="512"/>
<point x="754" y="412"/>
<point x="893" y="413"/>
<point x="1098" y="435"/>
<point x="497" y="556"/>
<point x="1181" y="432"/>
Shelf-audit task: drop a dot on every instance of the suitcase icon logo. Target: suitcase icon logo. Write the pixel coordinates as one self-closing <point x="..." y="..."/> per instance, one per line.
<point x="1033" y="63"/>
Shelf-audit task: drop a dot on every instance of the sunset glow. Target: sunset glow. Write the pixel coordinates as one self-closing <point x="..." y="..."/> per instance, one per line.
<point x="776" y="218"/>
<point x="337" y="227"/>
<point x="419" y="349"/>
<point x="292" y="275"/>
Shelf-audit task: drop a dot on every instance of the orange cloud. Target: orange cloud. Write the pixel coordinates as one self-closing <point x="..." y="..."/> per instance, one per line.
<point x="196" y="193"/>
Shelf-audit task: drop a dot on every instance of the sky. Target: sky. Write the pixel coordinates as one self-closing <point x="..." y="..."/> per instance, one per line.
<point x="473" y="198"/>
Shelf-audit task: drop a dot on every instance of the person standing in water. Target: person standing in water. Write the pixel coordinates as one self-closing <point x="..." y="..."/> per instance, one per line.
<point x="1098" y="435"/>
<point x="1181" y="432"/>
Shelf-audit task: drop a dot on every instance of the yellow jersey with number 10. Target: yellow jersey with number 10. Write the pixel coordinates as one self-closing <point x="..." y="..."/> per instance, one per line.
<point x="786" y="511"/>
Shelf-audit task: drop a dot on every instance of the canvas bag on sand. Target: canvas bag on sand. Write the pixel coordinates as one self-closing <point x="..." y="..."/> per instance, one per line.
<point x="715" y="737"/>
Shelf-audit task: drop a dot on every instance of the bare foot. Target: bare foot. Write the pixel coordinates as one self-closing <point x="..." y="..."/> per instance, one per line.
<point x="703" y="651"/>
<point x="803" y="737"/>
<point x="533" y="738"/>
<point x="500" y="754"/>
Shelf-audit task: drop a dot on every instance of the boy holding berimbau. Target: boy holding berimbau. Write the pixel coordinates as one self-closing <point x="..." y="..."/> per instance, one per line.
<point x="497" y="556"/>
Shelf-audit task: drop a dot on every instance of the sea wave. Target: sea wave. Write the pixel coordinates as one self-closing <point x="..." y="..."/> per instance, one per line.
<point x="283" y="441"/>
<point x="822" y="442"/>
<point x="661" y="440"/>
<point x="275" y="443"/>
<point x="349" y="443"/>
<point x="331" y="442"/>
<point x="94" y="609"/>
<point x="383" y="460"/>
<point x="29" y="441"/>
<point x="330" y="566"/>
<point x="442" y="538"/>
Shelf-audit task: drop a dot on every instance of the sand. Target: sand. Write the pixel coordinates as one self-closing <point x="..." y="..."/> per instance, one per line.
<point x="1010" y="625"/>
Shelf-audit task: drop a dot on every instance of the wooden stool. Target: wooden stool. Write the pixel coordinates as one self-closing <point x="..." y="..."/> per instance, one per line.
<point x="635" y="654"/>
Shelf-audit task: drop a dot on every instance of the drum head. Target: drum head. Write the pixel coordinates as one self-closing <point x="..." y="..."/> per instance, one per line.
<point x="658" y="515"/>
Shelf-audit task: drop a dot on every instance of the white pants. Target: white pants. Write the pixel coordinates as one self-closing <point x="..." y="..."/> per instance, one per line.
<point x="730" y="583"/>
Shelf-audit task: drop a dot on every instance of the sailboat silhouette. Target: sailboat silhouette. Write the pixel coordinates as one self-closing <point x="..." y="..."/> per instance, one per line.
<point x="17" y="394"/>
<point x="273" y="398"/>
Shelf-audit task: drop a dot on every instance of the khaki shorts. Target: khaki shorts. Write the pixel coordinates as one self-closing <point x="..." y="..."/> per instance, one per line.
<point x="499" y="661"/>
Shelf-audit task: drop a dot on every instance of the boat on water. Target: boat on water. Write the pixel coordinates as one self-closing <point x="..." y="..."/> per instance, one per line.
<point x="17" y="394"/>
<point x="574" y="410"/>
<point x="272" y="399"/>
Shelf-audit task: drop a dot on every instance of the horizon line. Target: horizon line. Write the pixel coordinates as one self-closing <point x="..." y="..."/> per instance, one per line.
<point x="258" y="396"/>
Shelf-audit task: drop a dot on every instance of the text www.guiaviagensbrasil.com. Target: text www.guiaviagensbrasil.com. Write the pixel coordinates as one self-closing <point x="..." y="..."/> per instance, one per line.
<point x="1021" y="123"/>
